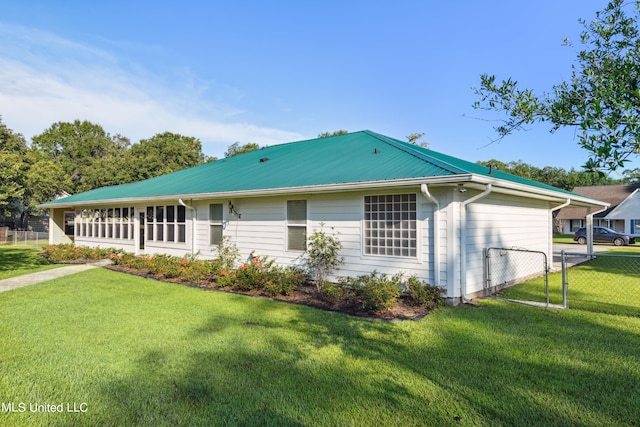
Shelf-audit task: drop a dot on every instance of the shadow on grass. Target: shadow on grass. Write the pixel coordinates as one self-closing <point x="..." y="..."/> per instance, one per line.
<point x="14" y="259"/>
<point x="498" y="364"/>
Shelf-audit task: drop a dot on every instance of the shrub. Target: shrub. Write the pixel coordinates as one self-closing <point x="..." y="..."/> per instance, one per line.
<point x="227" y="254"/>
<point x="377" y="291"/>
<point x="323" y="256"/>
<point x="282" y="281"/>
<point x="422" y="293"/>
<point x="195" y="270"/>
<point x="335" y="293"/>
<point x="253" y="274"/>
<point x="70" y="252"/>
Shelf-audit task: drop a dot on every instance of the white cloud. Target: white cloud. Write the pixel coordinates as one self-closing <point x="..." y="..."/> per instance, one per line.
<point x="46" y="79"/>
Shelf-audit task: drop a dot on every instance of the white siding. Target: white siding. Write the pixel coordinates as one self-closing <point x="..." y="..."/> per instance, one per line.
<point x="262" y="227"/>
<point x="503" y="221"/>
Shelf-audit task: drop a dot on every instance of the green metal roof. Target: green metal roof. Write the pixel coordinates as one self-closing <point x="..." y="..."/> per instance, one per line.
<point x="357" y="157"/>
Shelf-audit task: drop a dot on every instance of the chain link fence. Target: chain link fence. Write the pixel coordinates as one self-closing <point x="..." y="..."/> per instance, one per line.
<point x="598" y="282"/>
<point x="604" y="283"/>
<point x="505" y="268"/>
<point x="23" y="238"/>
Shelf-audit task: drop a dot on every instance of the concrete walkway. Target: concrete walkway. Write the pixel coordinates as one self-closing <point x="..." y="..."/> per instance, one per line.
<point x="42" y="276"/>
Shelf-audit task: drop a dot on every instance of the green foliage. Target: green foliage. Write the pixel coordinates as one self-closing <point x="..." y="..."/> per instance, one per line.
<point x="558" y="177"/>
<point x="77" y="147"/>
<point x="163" y="153"/>
<point x="414" y="137"/>
<point x="335" y="293"/>
<point x="422" y="293"/>
<point x="323" y="255"/>
<point x="228" y="254"/>
<point x="70" y="252"/>
<point x="377" y="291"/>
<point x="235" y="148"/>
<point x="601" y="99"/>
<point x="334" y="133"/>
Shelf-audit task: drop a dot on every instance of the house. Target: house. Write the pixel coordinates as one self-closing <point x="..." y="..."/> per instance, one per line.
<point x="623" y="214"/>
<point x="394" y="206"/>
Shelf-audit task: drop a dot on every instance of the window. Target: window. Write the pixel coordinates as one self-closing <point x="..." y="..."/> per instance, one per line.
<point x="390" y="225"/>
<point x="635" y="226"/>
<point x="182" y="231"/>
<point x="296" y="225"/>
<point x="215" y="223"/>
<point x="111" y="223"/>
<point x="165" y="224"/>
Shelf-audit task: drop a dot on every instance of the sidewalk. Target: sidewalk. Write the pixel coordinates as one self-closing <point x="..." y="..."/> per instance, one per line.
<point x="42" y="276"/>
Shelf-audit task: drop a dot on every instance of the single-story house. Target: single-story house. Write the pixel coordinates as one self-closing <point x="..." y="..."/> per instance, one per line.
<point x="395" y="207"/>
<point x="622" y="215"/>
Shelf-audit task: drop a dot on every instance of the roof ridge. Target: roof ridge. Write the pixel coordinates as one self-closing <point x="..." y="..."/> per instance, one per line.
<point x="409" y="149"/>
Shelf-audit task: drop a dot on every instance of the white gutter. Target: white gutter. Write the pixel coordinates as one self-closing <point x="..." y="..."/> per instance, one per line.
<point x="436" y="233"/>
<point x="194" y="216"/>
<point x="463" y="240"/>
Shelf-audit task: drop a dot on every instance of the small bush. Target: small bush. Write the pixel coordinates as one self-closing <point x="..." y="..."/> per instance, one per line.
<point x="422" y="293"/>
<point x="282" y="281"/>
<point x="335" y="293"/>
<point x="377" y="291"/>
<point x="70" y="252"/>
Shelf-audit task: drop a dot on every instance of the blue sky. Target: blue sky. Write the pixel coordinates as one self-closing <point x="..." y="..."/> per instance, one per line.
<point x="277" y="71"/>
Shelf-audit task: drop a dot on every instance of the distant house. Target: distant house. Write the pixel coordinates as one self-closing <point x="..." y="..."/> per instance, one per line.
<point x="395" y="207"/>
<point x="623" y="214"/>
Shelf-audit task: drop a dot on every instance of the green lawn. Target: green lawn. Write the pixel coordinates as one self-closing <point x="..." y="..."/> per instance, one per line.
<point x="141" y="352"/>
<point x="16" y="261"/>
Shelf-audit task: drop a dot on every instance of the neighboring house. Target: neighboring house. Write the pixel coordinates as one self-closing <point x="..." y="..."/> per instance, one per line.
<point x="395" y="207"/>
<point x="623" y="214"/>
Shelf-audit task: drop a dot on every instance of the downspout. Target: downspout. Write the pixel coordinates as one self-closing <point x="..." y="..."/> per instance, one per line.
<point x="436" y="233"/>
<point x="564" y="205"/>
<point x="463" y="240"/>
<point x="193" y="225"/>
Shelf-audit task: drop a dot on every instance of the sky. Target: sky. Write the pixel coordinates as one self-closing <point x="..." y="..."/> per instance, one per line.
<point x="270" y="72"/>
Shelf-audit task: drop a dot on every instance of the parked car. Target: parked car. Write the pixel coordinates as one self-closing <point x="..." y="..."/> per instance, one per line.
<point x="604" y="235"/>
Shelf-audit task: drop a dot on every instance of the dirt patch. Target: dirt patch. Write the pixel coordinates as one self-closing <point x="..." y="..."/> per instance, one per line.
<point x="306" y="295"/>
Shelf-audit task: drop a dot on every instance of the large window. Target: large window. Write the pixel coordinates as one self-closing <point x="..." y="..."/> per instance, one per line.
<point x="215" y="223"/>
<point x="166" y="224"/>
<point x="296" y="225"/>
<point x="390" y="225"/>
<point x="111" y="223"/>
<point x="635" y="227"/>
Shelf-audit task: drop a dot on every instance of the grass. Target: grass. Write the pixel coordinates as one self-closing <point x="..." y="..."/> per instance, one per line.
<point x="16" y="261"/>
<point x="610" y="283"/>
<point x="141" y="352"/>
<point x="563" y="238"/>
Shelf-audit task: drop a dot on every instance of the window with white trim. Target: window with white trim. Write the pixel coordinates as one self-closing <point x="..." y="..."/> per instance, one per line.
<point x="215" y="223"/>
<point x="390" y="226"/>
<point x="296" y="225"/>
<point x="111" y="223"/>
<point x="166" y="224"/>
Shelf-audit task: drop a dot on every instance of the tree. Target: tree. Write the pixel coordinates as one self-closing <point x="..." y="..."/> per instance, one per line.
<point x="26" y="177"/>
<point x="414" y="137"/>
<point x="334" y="133"/>
<point x="601" y="99"/>
<point x="161" y="154"/>
<point x="76" y="146"/>
<point x="235" y="148"/>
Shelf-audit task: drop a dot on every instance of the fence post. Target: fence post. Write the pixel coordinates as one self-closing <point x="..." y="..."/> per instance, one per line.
<point x="564" y="279"/>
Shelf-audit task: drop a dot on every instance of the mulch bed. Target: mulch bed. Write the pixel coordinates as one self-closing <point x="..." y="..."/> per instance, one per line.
<point x="304" y="295"/>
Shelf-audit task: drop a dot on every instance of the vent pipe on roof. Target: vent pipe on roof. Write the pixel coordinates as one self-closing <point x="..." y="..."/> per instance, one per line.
<point x="376" y="151"/>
